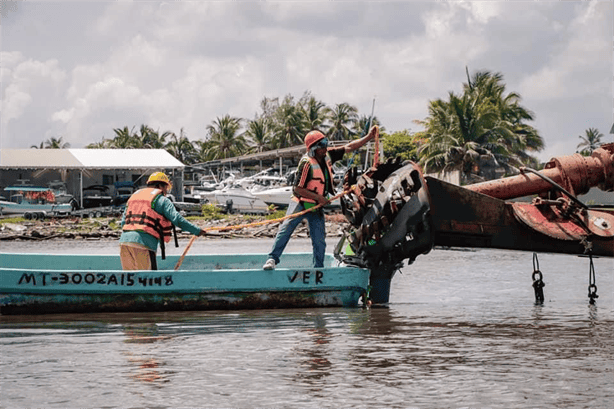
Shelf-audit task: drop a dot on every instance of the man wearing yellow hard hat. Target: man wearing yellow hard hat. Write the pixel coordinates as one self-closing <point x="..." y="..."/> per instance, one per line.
<point x="149" y="219"/>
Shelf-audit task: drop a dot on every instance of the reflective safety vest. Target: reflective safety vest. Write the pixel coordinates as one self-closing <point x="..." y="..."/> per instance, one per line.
<point x="317" y="184"/>
<point x="140" y="215"/>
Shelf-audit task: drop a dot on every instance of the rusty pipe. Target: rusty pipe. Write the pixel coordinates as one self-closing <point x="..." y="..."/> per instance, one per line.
<point x="575" y="173"/>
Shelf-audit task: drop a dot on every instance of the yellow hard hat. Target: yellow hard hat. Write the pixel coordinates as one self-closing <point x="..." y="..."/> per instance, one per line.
<point x="159" y="177"/>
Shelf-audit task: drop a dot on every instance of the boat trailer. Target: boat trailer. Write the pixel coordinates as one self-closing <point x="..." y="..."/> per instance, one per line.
<point x="395" y="213"/>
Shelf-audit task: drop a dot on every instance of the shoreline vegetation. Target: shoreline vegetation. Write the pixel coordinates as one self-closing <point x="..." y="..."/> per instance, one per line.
<point x="19" y="229"/>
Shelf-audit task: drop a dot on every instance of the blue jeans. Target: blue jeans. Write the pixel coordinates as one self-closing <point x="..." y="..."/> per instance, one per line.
<point x="317" y="231"/>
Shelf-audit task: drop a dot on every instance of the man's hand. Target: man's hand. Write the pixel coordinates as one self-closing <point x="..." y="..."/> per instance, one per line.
<point x="373" y="131"/>
<point x="203" y="232"/>
<point x="322" y="200"/>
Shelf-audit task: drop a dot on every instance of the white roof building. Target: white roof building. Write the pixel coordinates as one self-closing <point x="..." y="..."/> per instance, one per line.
<point x="88" y="159"/>
<point x="93" y="165"/>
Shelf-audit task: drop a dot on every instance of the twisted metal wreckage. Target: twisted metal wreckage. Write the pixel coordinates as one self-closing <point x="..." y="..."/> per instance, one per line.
<point x="395" y="213"/>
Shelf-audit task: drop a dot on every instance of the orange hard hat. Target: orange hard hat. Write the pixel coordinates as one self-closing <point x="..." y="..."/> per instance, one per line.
<point x="312" y="138"/>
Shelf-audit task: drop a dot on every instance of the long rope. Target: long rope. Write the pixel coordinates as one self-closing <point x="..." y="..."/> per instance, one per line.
<point x="254" y="224"/>
<point x="281" y="219"/>
<point x="376" y="149"/>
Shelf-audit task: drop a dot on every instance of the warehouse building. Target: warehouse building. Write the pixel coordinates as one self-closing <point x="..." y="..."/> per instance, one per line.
<point x="79" y="169"/>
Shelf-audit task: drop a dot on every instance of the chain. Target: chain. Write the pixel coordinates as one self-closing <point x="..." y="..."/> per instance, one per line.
<point x="592" y="288"/>
<point x="538" y="283"/>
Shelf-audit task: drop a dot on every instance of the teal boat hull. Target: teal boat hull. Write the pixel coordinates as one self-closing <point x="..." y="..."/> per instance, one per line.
<point x="49" y="284"/>
<point x="21" y="208"/>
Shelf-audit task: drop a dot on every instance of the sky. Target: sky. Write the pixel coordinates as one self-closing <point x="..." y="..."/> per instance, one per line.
<point x="79" y="69"/>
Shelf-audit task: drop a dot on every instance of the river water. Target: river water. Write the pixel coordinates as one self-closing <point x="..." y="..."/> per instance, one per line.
<point x="461" y="331"/>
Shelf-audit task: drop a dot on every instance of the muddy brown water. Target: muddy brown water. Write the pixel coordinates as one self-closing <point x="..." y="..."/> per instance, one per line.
<point x="461" y="331"/>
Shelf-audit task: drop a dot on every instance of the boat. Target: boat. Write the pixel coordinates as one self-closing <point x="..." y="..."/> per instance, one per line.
<point x="60" y="191"/>
<point x="123" y="191"/>
<point x="33" y="202"/>
<point x="279" y="196"/>
<point x="96" y="196"/>
<point x="235" y="199"/>
<point x="46" y="284"/>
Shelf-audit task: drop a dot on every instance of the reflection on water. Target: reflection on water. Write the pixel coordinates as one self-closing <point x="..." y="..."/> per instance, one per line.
<point x="147" y="367"/>
<point x="314" y="352"/>
<point x="461" y="330"/>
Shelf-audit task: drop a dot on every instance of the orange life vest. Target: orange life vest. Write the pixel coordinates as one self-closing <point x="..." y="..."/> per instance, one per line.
<point x="317" y="184"/>
<point x="140" y="215"/>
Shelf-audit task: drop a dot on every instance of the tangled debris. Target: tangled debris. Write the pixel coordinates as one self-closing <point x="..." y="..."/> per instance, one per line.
<point x="109" y="228"/>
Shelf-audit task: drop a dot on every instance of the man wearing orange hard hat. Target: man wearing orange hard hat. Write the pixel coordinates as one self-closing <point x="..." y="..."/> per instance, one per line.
<point x="312" y="184"/>
<point x="149" y="218"/>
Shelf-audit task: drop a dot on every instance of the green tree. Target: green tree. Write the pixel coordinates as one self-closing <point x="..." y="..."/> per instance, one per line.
<point x="364" y="122"/>
<point x="181" y="148"/>
<point x="125" y="139"/>
<point x="314" y="111"/>
<point x="203" y="150"/>
<point x="258" y="135"/>
<point x="290" y="124"/>
<point x="52" y="143"/>
<point x="590" y="141"/>
<point x="400" y="144"/>
<point x="103" y="144"/>
<point x="150" y="139"/>
<point x="227" y="141"/>
<point x="516" y="137"/>
<point x="479" y="131"/>
<point x="343" y="117"/>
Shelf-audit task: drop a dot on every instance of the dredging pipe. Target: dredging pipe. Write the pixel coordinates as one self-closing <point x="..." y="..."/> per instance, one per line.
<point x="576" y="173"/>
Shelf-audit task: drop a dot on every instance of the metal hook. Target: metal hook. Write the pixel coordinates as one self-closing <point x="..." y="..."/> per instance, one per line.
<point x="538" y="283"/>
<point x="592" y="287"/>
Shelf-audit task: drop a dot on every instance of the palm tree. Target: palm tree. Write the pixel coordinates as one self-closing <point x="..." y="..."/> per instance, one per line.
<point x="362" y="125"/>
<point x="478" y="130"/>
<point x="457" y="134"/>
<point x="103" y="144"/>
<point x="181" y="148"/>
<point x="515" y="134"/>
<point x="258" y="135"/>
<point x="53" y="143"/>
<point x="125" y="139"/>
<point x="203" y="150"/>
<point x="41" y="146"/>
<point x="290" y="124"/>
<point x="150" y="139"/>
<point x="225" y="137"/>
<point x="343" y="117"/>
<point x="314" y="111"/>
<point x="590" y="142"/>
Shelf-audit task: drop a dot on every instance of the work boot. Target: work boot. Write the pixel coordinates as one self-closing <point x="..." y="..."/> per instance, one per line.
<point x="269" y="265"/>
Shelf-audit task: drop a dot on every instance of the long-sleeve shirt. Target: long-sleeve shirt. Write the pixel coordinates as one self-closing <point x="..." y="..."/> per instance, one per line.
<point x="165" y="207"/>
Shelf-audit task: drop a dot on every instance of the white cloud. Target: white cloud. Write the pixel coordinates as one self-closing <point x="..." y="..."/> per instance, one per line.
<point x="175" y="65"/>
<point x="29" y="86"/>
<point x="573" y="70"/>
<point x="482" y="11"/>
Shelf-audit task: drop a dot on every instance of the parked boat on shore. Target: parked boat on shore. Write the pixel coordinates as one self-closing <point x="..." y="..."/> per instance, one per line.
<point x="33" y="202"/>
<point x="235" y="199"/>
<point x="96" y="196"/>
